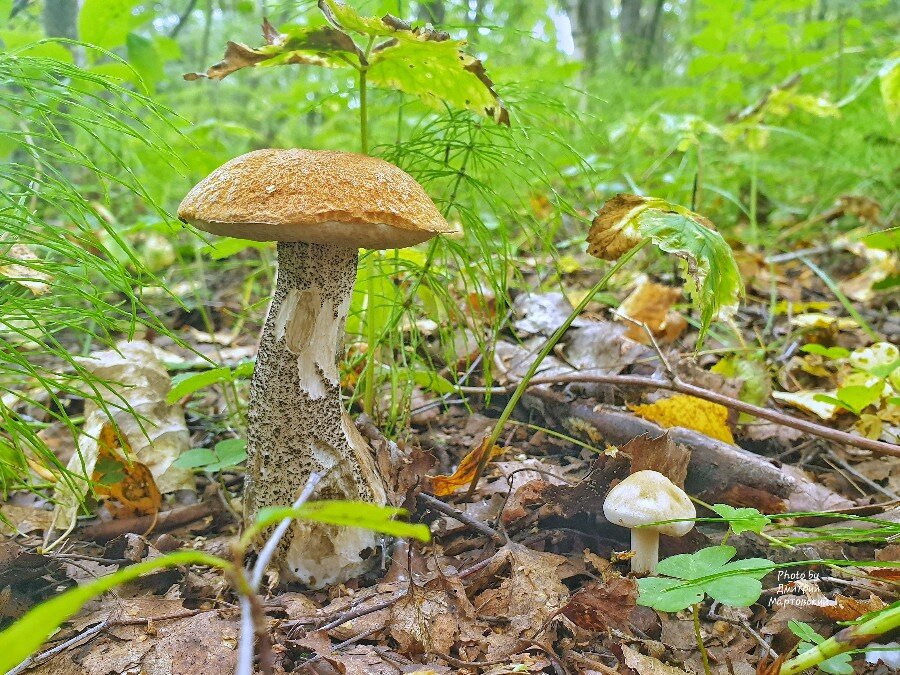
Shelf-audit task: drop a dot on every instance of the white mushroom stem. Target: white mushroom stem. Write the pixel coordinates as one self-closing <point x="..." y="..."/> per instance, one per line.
<point x="645" y="544"/>
<point x="297" y="424"/>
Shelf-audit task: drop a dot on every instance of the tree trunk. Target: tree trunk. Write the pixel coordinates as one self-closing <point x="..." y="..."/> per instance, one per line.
<point x="61" y="19"/>
<point x="588" y="19"/>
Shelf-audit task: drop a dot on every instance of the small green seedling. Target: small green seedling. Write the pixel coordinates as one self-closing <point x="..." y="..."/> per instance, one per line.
<point x="226" y="454"/>
<point x="186" y="384"/>
<point x="686" y="579"/>
<point x="836" y="665"/>
<point x="742" y="520"/>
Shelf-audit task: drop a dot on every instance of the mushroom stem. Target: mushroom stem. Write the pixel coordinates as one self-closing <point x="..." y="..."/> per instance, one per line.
<point x="297" y="424"/>
<point x="645" y="544"/>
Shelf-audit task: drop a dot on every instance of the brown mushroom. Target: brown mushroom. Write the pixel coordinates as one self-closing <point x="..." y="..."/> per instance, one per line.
<point x="321" y="207"/>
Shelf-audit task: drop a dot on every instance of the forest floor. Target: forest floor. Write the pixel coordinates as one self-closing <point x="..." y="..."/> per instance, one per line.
<point x="525" y="575"/>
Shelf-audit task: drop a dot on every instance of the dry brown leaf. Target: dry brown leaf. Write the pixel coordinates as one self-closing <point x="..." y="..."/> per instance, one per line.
<point x="441" y="486"/>
<point x="601" y="605"/>
<point x="650" y="304"/>
<point x="647" y="665"/>
<point x="128" y="487"/>
<point x="850" y="609"/>
<point x="659" y="454"/>
<point x="613" y="232"/>
<point x="689" y="412"/>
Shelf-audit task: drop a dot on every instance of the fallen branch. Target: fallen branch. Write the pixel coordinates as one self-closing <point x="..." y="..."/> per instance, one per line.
<point x="107" y="530"/>
<point x="681" y="387"/>
<point x="715" y="468"/>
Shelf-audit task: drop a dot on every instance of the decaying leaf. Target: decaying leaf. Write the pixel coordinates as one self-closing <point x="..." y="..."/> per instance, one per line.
<point x="660" y="454"/>
<point x="600" y="605"/>
<point x="651" y="304"/>
<point x="627" y="220"/>
<point x="20" y="264"/>
<point x="155" y="431"/>
<point x="690" y="412"/>
<point x="128" y="485"/>
<point x="647" y="665"/>
<point x="422" y="62"/>
<point x="808" y="401"/>
<point x="850" y="609"/>
<point x="446" y="485"/>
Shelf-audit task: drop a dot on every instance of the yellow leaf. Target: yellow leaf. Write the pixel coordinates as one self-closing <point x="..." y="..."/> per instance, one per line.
<point x="442" y="486"/>
<point x="649" y="304"/>
<point x="689" y="412"/>
<point x="129" y="485"/>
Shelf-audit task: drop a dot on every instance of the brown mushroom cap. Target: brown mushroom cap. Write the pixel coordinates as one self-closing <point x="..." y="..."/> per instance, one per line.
<point x="316" y="196"/>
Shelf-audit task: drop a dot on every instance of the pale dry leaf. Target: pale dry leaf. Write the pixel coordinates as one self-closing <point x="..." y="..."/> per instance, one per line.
<point x="647" y="665"/>
<point x="651" y="304"/>
<point x="807" y="401"/>
<point x="25" y="273"/>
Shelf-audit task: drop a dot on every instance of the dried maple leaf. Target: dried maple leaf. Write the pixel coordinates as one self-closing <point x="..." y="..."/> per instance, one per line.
<point x="441" y="486"/>
<point x="689" y="412"/>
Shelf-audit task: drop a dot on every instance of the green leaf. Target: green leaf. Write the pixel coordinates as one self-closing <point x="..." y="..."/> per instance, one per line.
<point x="836" y="665"/>
<point x="854" y="398"/>
<point x="346" y="513"/>
<point x="742" y="519"/>
<point x="832" y="353"/>
<point x="421" y="62"/>
<point x="890" y="86"/>
<point x="805" y="632"/>
<point x="146" y="60"/>
<point x="737" y="591"/>
<point x="229" y="246"/>
<point x="106" y="23"/>
<point x="194" y="458"/>
<point x="704" y="562"/>
<point x="661" y="593"/>
<point x="186" y="384"/>
<point x="27" y="634"/>
<point x="628" y="220"/>
<point x="428" y="380"/>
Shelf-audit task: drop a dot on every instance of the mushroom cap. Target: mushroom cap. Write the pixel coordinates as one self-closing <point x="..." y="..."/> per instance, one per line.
<point x="646" y="497"/>
<point x="316" y="196"/>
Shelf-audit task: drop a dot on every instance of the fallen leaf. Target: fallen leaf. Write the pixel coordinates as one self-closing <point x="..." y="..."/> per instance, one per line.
<point x="129" y="485"/>
<point x="814" y="320"/>
<point x="850" y="609"/>
<point x="20" y="264"/>
<point x="647" y="665"/>
<point x="601" y="605"/>
<point x="808" y="401"/>
<point x="650" y="304"/>
<point x="689" y="412"/>
<point x="441" y="485"/>
<point x="659" y="454"/>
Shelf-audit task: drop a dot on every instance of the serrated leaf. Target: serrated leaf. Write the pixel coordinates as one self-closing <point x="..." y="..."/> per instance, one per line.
<point x="662" y="594"/>
<point x="417" y="61"/>
<point x="627" y="220"/>
<point x="742" y="519"/>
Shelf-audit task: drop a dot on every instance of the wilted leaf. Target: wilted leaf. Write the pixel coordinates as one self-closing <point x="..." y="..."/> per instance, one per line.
<point x="420" y="62"/>
<point x="809" y="401"/>
<point x="660" y="454"/>
<point x="22" y="265"/>
<point x="627" y="220"/>
<point x="600" y="605"/>
<point x="650" y="304"/>
<point x="465" y="472"/>
<point x="647" y="665"/>
<point x="129" y="484"/>
<point x="689" y="412"/>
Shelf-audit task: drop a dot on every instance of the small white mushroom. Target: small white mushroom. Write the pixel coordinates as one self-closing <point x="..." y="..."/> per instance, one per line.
<point x="647" y="497"/>
<point x="321" y="207"/>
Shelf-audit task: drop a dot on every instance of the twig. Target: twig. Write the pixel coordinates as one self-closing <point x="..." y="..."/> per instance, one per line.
<point x="856" y="474"/>
<point x="339" y="646"/>
<point x="50" y="653"/>
<point x="360" y="611"/>
<point x="167" y="520"/>
<point x="682" y="387"/>
<point x="448" y="510"/>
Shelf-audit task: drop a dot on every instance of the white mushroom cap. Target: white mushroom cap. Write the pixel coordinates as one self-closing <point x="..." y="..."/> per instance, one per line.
<point x="647" y="497"/>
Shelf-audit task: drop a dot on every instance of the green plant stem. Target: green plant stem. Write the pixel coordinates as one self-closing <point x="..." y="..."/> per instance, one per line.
<point x="754" y="224"/>
<point x="491" y="440"/>
<point x="371" y="338"/>
<point x="846" y="640"/>
<point x="363" y="113"/>
<point x="695" y="610"/>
